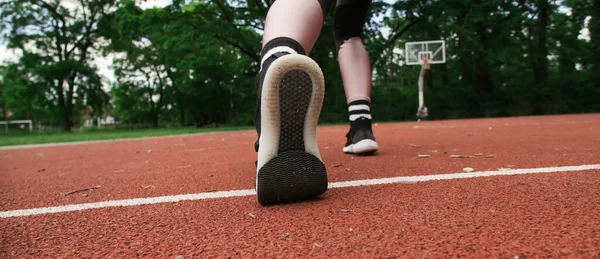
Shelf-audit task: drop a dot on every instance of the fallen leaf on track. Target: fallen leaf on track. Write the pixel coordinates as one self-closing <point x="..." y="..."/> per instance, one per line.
<point x="145" y="187"/>
<point x="251" y="215"/>
<point x="414" y="145"/>
<point x="423" y="156"/>
<point x="468" y="169"/>
<point x="83" y="190"/>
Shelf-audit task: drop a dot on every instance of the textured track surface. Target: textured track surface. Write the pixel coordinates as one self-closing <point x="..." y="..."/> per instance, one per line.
<point x="532" y="216"/>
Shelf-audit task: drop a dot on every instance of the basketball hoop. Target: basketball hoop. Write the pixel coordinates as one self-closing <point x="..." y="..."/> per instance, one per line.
<point x="424" y="53"/>
<point x="434" y="51"/>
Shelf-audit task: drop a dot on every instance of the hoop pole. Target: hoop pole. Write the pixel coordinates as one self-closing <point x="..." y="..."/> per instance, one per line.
<point x="424" y="67"/>
<point x="420" y="91"/>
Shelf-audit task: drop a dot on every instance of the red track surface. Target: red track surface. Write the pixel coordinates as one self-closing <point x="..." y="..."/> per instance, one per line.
<point x="538" y="215"/>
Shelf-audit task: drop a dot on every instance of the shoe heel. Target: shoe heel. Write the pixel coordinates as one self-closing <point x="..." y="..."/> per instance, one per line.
<point x="289" y="166"/>
<point x="291" y="176"/>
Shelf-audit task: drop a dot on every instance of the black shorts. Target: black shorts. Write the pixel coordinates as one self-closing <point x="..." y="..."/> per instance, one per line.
<point x="349" y="17"/>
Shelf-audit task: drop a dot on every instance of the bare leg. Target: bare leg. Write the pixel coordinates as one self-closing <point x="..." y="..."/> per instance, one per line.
<point x="356" y="70"/>
<point x="300" y="20"/>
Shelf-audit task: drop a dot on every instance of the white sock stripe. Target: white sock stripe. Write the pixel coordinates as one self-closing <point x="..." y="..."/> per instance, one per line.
<point x="275" y="50"/>
<point x="353" y="117"/>
<point x="359" y="107"/>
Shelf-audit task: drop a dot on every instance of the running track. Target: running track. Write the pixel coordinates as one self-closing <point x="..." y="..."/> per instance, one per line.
<point x="549" y="209"/>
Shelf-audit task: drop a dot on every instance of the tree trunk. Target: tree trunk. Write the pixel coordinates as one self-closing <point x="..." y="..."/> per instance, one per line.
<point x="540" y="68"/>
<point x="65" y="118"/>
<point x="179" y="98"/>
<point x="429" y="78"/>
<point x="154" y="110"/>
<point x="483" y="75"/>
<point x="4" y="111"/>
<point x="444" y="70"/>
<point x="69" y="108"/>
<point x="594" y="27"/>
<point x="155" y="118"/>
<point x="466" y="58"/>
<point x="181" y="113"/>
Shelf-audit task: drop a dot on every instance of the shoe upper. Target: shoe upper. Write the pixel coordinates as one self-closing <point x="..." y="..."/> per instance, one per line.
<point x="360" y="129"/>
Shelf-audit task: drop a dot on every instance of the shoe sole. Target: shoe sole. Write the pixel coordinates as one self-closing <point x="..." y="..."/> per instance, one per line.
<point x="363" y="147"/>
<point x="289" y="166"/>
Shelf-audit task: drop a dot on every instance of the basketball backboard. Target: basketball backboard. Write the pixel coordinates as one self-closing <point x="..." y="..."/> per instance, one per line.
<point x="434" y="51"/>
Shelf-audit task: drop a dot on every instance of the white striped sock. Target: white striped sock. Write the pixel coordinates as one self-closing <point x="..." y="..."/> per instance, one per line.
<point x="353" y="117"/>
<point x="358" y="107"/>
<point x="276" y="50"/>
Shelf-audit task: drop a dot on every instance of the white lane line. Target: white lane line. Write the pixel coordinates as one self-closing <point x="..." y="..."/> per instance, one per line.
<point x="500" y="123"/>
<point x="127" y="202"/>
<point x="249" y="192"/>
<point x="435" y="177"/>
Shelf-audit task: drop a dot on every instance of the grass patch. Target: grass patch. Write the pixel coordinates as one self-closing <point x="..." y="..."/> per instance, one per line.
<point x="27" y="138"/>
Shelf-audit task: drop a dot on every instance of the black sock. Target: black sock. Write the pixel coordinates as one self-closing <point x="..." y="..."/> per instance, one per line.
<point x="359" y="110"/>
<point x="276" y="48"/>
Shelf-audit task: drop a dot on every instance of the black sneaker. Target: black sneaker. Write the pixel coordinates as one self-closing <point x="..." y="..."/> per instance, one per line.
<point x="360" y="138"/>
<point x="289" y="166"/>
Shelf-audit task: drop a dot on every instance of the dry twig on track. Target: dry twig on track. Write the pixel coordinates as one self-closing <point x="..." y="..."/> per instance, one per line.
<point x="83" y="190"/>
<point x="460" y="156"/>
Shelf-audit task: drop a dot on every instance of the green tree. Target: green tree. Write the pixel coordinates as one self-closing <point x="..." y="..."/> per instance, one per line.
<point x="57" y="38"/>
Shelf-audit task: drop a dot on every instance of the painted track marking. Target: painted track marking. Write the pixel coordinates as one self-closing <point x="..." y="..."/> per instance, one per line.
<point x="249" y="192"/>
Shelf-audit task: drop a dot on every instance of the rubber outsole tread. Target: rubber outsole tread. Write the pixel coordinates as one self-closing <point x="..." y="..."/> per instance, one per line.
<point x="291" y="176"/>
<point x="296" y="89"/>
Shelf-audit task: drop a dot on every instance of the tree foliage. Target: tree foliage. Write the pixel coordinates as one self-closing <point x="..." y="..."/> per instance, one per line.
<point x="194" y="62"/>
<point x="57" y="39"/>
